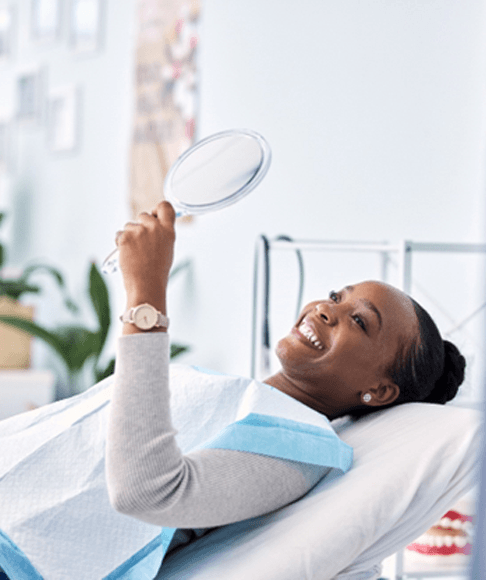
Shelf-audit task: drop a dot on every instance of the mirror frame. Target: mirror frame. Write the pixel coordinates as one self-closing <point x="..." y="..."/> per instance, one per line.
<point x="190" y="209"/>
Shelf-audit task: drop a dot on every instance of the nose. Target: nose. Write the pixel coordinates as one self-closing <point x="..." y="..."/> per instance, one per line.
<point x="327" y="313"/>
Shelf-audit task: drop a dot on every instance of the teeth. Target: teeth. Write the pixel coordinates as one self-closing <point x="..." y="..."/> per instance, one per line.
<point x="460" y="541"/>
<point x="309" y="334"/>
<point x="440" y="541"/>
<point x="465" y="526"/>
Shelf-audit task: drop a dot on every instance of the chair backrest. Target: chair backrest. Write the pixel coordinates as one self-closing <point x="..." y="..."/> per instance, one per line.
<point x="411" y="464"/>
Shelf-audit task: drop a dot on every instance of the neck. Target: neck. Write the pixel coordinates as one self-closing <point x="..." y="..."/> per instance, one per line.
<point x="297" y="390"/>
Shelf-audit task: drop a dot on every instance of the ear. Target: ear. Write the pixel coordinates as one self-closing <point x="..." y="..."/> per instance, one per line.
<point x="383" y="394"/>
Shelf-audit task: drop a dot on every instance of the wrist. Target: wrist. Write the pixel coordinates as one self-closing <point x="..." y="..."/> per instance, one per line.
<point x="158" y="302"/>
<point x="144" y="317"/>
<point x="132" y="329"/>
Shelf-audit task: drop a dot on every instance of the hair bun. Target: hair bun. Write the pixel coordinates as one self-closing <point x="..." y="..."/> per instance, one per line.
<point x="448" y="383"/>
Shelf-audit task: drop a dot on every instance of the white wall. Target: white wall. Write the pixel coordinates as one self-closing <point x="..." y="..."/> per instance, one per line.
<point x="65" y="207"/>
<point x="375" y="114"/>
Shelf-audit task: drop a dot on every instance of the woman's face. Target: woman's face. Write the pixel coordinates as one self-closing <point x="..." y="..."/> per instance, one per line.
<point x="341" y="347"/>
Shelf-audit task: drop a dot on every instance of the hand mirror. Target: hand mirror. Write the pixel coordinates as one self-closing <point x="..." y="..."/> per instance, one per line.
<point x="214" y="173"/>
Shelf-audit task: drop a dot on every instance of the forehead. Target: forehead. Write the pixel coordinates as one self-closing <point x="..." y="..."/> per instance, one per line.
<point x="395" y="307"/>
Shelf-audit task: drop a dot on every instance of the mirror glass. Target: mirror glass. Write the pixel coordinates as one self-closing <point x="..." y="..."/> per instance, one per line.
<point x="214" y="173"/>
<point x="217" y="171"/>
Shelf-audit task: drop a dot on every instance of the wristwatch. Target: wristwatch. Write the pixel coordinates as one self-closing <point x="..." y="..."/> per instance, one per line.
<point x="145" y="317"/>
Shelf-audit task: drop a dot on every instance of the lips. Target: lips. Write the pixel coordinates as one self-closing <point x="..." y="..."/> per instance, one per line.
<point x="307" y="331"/>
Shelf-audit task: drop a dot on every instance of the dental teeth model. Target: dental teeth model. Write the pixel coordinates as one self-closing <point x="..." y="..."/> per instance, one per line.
<point x="448" y="543"/>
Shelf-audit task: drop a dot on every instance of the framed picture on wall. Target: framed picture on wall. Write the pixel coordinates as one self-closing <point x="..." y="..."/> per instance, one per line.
<point x="46" y="20"/>
<point x="30" y="96"/>
<point x="86" y="23"/>
<point x="63" y="112"/>
<point x="6" y="30"/>
<point x="7" y="145"/>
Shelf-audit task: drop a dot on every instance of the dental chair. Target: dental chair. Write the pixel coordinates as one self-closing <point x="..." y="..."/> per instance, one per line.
<point x="411" y="464"/>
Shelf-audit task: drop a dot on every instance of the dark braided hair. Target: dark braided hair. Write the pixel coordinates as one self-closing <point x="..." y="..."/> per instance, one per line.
<point x="430" y="370"/>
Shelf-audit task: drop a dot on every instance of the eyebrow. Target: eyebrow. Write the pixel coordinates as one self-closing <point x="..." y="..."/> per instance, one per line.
<point x="369" y="305"/>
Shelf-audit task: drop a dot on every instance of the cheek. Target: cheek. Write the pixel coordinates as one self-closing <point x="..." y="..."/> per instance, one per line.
<point x="372" y="362"/>
<point x="358" y="363"/>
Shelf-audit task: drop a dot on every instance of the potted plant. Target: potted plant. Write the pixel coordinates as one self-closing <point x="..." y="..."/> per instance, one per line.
<point x="78" y="346"/>
<point x="74" y="343"/>
<point x="15" y="345"/>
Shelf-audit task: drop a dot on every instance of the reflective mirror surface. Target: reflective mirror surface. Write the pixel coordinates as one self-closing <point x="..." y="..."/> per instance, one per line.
<point x="217" y="171"/>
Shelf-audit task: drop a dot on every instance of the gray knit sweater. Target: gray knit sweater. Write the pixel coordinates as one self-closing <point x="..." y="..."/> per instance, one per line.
<point x="148" y="476"/>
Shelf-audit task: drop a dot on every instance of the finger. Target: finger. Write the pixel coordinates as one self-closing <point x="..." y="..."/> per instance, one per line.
<point x="146" y="219"/>
<point x="132" y="226"/>
<point x="117" y="236"/>
<point x="130" y="229"/>
<point x="165" y="213"/>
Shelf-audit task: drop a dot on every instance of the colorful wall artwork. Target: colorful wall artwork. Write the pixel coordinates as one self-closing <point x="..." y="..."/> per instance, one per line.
<point x="166" y="94"/>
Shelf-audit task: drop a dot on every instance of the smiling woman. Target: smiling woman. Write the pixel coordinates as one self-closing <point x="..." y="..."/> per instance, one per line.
<point x="170" y="447"/>
<point x="357" y="351"/>
<point x="364" y="348"/>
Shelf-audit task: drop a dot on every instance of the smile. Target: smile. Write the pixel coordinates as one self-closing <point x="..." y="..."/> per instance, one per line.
<point x="307" y="331"/>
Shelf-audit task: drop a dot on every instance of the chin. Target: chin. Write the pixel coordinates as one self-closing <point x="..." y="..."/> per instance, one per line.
<point x="288" y="348"/>
<point x="281" y="349"/>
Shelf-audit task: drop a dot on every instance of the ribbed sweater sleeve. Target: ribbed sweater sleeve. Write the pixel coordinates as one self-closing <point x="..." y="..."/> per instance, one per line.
<point x="149" y="478"/>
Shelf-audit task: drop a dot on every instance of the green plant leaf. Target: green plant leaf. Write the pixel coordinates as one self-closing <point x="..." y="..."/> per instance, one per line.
<point x="58" y="277"/>
<point x="29" y="270"/>
<point x="78" y="344"/>
<point x="35" y="330"/>
<point x="15" y="288"/>
<point x="98" y="292"/>
<point x="70" y="305"/>
<point x="178" y="349"/>
<point x="102" y="373"/>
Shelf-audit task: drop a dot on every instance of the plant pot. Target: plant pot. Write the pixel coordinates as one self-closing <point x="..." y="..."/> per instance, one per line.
<point x="14" y="344"/>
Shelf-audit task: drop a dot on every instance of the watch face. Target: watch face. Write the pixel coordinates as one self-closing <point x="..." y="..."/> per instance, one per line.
<point x="145" y="317"/>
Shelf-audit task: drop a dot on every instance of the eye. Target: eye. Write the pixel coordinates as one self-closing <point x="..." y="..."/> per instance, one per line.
<point x="334" y="296"/>
<point x="359" y="321"/>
